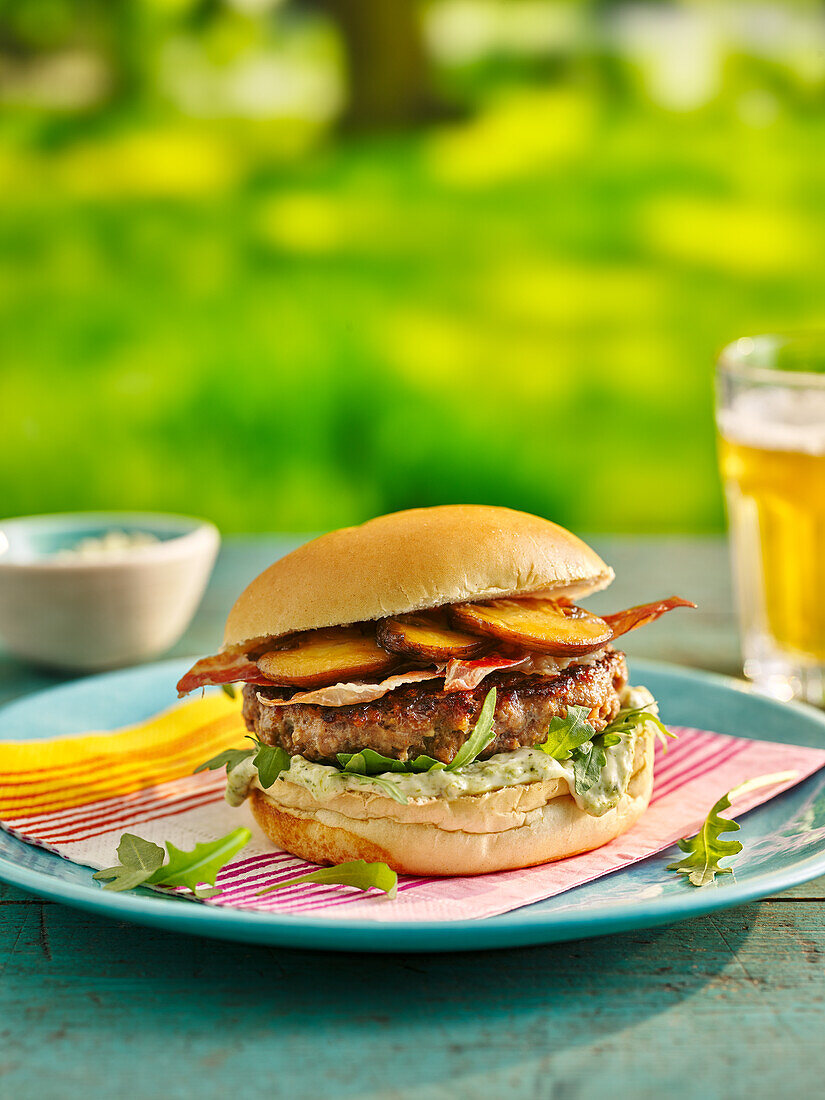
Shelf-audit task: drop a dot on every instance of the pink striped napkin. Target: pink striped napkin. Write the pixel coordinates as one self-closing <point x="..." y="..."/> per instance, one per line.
<point x="690" y="776"/>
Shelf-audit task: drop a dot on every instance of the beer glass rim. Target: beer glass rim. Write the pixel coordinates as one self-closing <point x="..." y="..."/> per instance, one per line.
<point x="740" y="359"/>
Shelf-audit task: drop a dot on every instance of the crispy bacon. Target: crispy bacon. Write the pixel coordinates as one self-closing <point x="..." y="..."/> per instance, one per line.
<point x="466" y="675"/>
<point x="621" y="622"/>
<point x="344" y="695"/>
<point x="223" y="668"/>
<point x="226" y="668"/>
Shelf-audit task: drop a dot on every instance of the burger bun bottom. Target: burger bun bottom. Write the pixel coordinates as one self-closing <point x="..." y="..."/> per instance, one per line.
<point x="497" y="831"/>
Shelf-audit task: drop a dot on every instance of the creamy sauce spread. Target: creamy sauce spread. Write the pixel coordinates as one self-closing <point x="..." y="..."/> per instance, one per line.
<point x="241" y="780"/>
<point x="502" y="770"/>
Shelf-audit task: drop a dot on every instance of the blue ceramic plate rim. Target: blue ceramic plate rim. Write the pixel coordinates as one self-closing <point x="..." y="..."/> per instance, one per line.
<point x="520" y="927"/>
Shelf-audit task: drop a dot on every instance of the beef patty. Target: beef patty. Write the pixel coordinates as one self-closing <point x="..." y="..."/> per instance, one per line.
<point x="422" y="719"/>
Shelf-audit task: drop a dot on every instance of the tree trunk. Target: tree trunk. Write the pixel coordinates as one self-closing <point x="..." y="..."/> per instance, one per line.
<point x="388" y="70"/>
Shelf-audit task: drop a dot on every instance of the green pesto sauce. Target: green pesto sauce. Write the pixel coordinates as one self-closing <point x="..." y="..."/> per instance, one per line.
<point x="503" y="770"/>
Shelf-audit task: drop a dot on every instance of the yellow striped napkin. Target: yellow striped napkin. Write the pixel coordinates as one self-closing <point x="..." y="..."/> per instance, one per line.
<point x="50" y="776"/>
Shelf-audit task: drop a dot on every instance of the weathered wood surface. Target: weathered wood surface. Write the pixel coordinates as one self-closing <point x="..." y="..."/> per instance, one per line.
<point x="728" y="1005"/>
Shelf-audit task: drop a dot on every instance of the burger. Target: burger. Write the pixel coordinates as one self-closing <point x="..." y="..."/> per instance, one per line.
<point x="425" y="690"/>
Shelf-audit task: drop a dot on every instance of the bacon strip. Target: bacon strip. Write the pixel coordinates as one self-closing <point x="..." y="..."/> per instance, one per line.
<point x="459" y="676"/>
<point x="227" y="668"/>
<point x="223" y="668"/>
<point x="342" y="695"/>
<point x="621" y="622"/>
<point x="466" y="675"/>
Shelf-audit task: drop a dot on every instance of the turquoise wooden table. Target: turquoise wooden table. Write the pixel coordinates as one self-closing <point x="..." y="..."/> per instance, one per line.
<point x="728" y="1005"/>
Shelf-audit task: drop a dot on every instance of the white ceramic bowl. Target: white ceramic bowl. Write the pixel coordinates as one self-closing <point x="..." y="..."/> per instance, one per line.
<point x="87" y="614"/>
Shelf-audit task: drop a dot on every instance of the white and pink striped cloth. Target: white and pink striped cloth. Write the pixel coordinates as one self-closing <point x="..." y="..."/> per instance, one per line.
<point x="85" y="827"/>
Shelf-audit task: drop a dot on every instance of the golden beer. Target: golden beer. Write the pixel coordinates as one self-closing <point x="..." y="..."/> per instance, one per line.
<point x="772" y="456"/>
<point x="776" y="501"/>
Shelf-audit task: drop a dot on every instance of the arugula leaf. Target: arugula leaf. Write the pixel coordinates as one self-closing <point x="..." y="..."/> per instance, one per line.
<point x="566" y="734"/>
<point x="268" y="759"/>
<point x="366" y="765"/>
<point x="482" y="735"/>
<point x="573" y="738"/>
<point x="358" y="873"/>
<point x="139" y="860"/>
<point x="202" y="863"/>
<point x="230" y="759"/>
<point x="426" y="764"/>
<point x="701" y="864"/>
<point x="270" y="762"/>
<point x="589" y="759"/>
<point x="385" y="785"/>
<point x="123" y="878"/>
<point x="629" y="717"/>
<point x="229" y="689"/>
<point x="134" y="851"/>
<point x="370" y="762"/>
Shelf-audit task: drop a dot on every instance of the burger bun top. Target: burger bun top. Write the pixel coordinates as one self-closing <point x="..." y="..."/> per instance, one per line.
<point x="409" y="561"/>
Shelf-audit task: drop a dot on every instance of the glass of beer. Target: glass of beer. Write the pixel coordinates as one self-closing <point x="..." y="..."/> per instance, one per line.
<point x="771" y="421"/>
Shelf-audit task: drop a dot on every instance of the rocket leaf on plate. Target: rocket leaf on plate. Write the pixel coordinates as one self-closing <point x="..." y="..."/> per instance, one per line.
<point x="139" y="860"/>
<point x="704" y="851"/>
<point x="141" y="863"/>
<point x="358" y="873"/>
<point x="202" y="864"/>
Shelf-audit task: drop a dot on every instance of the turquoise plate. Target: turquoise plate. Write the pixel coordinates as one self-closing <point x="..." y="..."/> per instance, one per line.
<point x="784" y="839"/>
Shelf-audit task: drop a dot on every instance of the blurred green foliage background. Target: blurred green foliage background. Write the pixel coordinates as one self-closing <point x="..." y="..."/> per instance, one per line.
<point x="291" y="264"/>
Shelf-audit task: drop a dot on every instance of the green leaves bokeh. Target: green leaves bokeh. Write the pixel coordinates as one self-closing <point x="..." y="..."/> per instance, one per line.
<point x="280" y="327"/>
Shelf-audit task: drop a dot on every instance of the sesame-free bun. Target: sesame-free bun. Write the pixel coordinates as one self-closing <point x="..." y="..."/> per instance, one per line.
<point x="517" y="826"/>
<point x="408" y="561"/>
